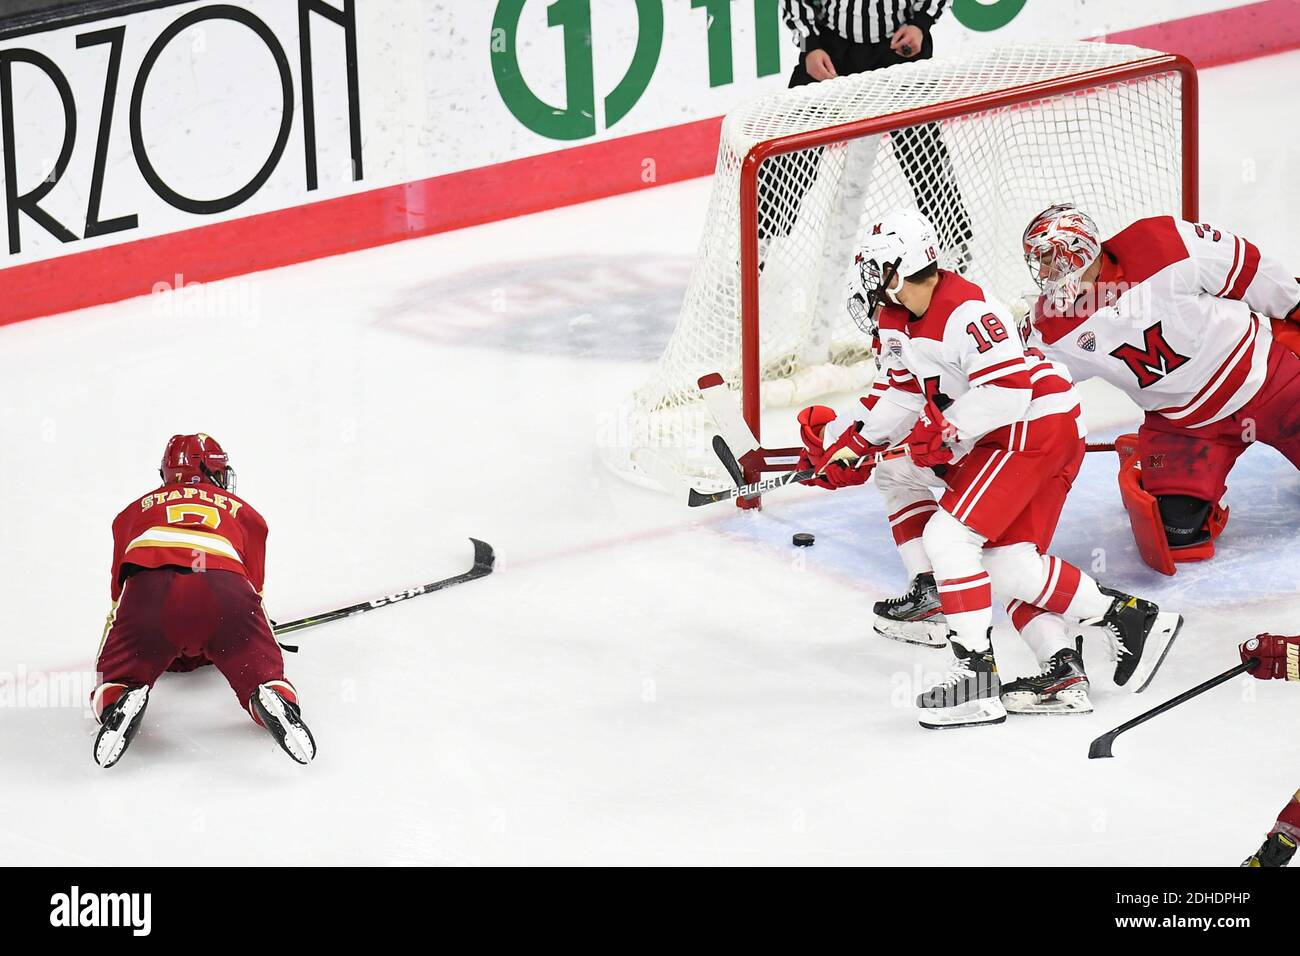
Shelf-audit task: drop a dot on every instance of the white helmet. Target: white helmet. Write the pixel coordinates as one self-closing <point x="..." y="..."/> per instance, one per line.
<point x="893" y="249"/>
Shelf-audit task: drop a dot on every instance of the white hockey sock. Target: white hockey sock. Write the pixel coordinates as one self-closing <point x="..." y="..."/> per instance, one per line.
<point x="915" y="560"/>
<point x="1044" y="632"/>
<point x="1088" y="601"/>
<point x="1019" y="571"/>
<point x="910" y="504"/>
<point x="964" y="588"/>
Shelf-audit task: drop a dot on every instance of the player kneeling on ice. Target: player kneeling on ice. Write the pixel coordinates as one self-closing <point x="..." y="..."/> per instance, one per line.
<point x="1010" y="439"/>
<point x="1195" y="325"/>
<point x="188" y="562"/>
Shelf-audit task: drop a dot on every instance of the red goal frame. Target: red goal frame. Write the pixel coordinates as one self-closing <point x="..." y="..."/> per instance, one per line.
<point x="749" y="339"/>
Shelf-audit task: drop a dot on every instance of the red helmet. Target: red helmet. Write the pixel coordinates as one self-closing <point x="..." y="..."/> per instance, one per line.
<point x="190" y="459"/>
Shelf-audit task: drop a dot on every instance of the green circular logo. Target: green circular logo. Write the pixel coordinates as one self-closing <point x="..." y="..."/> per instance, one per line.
<point x="983" y="16"/>
<point x="577" y="118"/>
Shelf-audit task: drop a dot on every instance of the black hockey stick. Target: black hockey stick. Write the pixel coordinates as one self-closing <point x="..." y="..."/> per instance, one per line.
<point x="484" y="560"/>
<point x="696" y="498"/>
<point x="1101" y="746"/>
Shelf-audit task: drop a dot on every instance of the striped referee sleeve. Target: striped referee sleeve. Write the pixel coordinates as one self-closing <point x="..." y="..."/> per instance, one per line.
<point x="801" y="18"/>
<point x="924" y="12"/>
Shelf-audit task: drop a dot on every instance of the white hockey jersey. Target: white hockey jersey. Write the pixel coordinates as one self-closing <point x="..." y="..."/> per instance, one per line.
<point x="1178" y="319"/>
<point x="966" y="355"/>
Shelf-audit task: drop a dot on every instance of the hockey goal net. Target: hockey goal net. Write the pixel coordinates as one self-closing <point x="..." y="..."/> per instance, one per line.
<point x="978" y="143"/>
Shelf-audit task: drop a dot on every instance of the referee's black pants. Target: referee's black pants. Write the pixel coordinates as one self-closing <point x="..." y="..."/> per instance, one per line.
<point x="920" y="150"/>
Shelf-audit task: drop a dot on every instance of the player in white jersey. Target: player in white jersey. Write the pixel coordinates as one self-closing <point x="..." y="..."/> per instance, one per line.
<point x="961" y="392"/>
<point x="1199" y="328"/>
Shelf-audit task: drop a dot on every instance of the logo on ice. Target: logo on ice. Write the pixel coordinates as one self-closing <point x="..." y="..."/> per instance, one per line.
<point x="102" y="909"/>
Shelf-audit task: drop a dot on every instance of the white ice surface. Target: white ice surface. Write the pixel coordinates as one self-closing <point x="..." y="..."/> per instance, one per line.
<point x="638" y="682"/>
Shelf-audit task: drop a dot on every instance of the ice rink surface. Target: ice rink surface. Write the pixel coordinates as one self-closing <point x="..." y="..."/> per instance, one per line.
<point x="638" y="683"/>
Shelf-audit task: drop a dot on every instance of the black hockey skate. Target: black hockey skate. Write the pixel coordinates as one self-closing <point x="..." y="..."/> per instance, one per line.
<point x="118" y="726"/>
<point x="283" y="718"/>
<point x="969" y="695"/>
<point x="1141" y="635"/>
<point x="915" y="616"/>
<point x="1277" y="850"/>
<point x="1061" y="687"/>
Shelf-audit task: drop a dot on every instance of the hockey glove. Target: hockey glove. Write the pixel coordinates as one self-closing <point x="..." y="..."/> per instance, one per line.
<point x="833" y="472"/>
<point x="928" y="441"/>
<point x="812" y="427"/>
<point x="1279" y="657"/>
<point x="836" y="474"/>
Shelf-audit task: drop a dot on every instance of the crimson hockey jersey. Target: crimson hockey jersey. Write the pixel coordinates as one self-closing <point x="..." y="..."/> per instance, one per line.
<point x="189" y="526"/>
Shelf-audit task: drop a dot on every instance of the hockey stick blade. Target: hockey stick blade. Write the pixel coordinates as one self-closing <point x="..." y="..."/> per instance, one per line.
<point x="484" y="561"/>
<point x="1101" y="747"/>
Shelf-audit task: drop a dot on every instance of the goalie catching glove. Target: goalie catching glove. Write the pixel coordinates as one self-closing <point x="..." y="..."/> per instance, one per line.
<point x="833" y="472"/>
<point x="1279" y="657"/>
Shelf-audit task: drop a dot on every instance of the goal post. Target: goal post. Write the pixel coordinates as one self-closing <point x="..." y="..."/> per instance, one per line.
<point x="977" y="142"/>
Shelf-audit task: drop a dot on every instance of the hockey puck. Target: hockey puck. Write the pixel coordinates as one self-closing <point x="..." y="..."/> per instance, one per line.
<point x="803" y="540"/>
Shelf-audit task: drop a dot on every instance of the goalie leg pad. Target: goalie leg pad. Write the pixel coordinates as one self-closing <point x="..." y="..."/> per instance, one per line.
<point x="1144" y="517"/>
<point x="1189" y="473"/>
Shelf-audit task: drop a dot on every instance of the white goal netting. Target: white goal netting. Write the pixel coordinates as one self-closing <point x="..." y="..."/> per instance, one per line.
<point x="979" y="170"/>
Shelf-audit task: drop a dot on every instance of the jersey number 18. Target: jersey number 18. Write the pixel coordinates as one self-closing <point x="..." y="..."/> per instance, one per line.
<point x="994" y="331"/>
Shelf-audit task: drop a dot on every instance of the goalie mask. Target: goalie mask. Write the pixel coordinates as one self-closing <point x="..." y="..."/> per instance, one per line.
<point x="895" y="248"/>
<point x="1060" y="243"/>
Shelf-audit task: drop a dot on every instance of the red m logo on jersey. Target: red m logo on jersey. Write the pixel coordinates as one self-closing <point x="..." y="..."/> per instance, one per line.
<point x="1152" y="362"/>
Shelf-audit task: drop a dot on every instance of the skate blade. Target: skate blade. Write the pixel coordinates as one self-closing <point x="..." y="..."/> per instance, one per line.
<point x="111" y="744"/>
<point x="973" y="713"/>
<point x="1065" y="704"/>
<point x="921" y="633"/>
<point x="1160" y="640"/>
<point x="289" y="731"/>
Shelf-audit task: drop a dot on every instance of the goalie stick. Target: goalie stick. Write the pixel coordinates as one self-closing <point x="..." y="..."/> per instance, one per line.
<point x="754" y="459"/>
<point x="1101" y="747"/>
<point x="484" y="561"/>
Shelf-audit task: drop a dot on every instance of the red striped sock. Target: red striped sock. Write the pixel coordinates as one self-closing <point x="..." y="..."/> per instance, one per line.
<point x="962" y="595"/>
<point x="1062" y="584"/>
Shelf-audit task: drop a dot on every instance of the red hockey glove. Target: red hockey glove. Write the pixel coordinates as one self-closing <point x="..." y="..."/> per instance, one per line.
<point x="927" y="443"/>
<point x="1279" y="657"/>
<point x="812" y="430"/>
<point x="835" y="475"/>
<point x="812" y="426"/>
